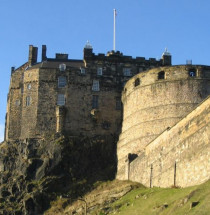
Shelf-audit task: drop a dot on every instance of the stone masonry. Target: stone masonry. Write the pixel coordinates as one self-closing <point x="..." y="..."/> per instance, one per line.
<point x="156" y="100"/>
<point x="78" y="97"/>
<point x="180" y="156"/>
<point x="158" y="110"/>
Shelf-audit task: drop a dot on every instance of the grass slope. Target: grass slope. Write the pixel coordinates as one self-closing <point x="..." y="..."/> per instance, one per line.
<point x="164" y="201"/>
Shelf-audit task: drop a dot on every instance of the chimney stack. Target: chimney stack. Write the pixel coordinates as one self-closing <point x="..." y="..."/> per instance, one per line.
<point x="32" y="58"/>
<point x="166" y="58"/>
<point x="88" y="51"/>
<point x="44" y="52"/>
<point x="12" y="70"/>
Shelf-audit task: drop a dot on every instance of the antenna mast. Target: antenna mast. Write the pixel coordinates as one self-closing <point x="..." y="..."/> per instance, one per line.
<point x="115" y="13"/>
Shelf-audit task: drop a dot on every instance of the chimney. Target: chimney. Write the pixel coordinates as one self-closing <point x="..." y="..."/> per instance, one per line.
<point x="32" y="58"/>
<point x="12" y="70"/>
<point x="166" y="58"/>
<point x="44" y="52"/>
<point x="88" y="51"/>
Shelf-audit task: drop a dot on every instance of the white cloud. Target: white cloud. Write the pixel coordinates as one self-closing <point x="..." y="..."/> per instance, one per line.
<point x="1" y="133"/>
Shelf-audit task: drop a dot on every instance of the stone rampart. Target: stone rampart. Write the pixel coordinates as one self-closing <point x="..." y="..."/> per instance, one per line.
<point x="156" y="100"/>
<point x="180" y="156"/>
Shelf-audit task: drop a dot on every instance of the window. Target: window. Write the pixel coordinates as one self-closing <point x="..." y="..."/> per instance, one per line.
<point x="137" y="82"/>
<point x="161" y="75"/>
<point x="61" y="81"/>
<point x="118" y="103"/>
<point x="192" y="73"/>
<point x="99" y="71"/>
<point x="127" y="71"/>
<point x="62" y="67"/>
<point x="28" y="101"/>
<point x="17" y="102"/>
<point x="106" y="125"/>
<point x="61" y="99"/>
<point x="82" y="71"/>
<point x="95" y="86"/>
<point x="95" y="101"/>
<point x="29" y="86"/>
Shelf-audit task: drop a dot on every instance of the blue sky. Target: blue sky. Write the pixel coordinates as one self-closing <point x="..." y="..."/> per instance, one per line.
<point x="143" y="28"/>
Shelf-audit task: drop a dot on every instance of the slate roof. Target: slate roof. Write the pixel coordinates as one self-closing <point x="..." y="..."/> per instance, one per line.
<point x="54" y="63"/>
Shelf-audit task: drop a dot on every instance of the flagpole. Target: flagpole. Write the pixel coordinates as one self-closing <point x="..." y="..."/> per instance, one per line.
<point x="114" y="29"/>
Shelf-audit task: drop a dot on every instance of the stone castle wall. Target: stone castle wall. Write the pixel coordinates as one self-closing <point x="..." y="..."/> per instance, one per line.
<point x="14" y="104"/>
<point x="78" y="117"/>
<point x="38" y="82"/>
<point x="78" y="93"/>
<point x="180" y="156"/>
<point x="29" y="118"/>
<point x="156" y="104"/>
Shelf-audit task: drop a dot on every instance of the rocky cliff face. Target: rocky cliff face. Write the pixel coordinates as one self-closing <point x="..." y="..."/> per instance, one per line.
<point x="35" y="172"/>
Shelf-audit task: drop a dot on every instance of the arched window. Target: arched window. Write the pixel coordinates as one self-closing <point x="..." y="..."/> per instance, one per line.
<point x="137" y="82"/>
<point x="161" y="75"/>
<point x="192" y="73"/>
<point x="62" y="67"/>
<point x="29" y="86"/>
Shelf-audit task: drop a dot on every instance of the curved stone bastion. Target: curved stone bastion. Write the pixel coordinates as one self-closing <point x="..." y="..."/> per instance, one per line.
<point x="154" y="101"/>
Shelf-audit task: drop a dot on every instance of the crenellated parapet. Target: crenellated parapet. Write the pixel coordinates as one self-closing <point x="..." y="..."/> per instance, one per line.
<point x="117" y="56"/>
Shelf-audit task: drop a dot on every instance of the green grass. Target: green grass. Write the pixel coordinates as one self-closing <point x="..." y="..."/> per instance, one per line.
<point x="165" y="201"/>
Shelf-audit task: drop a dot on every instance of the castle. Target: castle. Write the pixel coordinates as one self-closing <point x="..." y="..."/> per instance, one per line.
<point x="83" y="97"/>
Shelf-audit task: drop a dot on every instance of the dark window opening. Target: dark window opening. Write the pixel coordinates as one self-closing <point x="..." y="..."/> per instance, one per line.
<point x="137" y="82"/>
<point x="95" y="101"/>
<point x="132" y="157"/>
<point x="106" y="125"/>
<point x="82" y="71"/>
<point x="192" y="73"/>
<point x="127" y="71"/>
<point x="161" y="75"/>
<point x="118" y="103"/>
